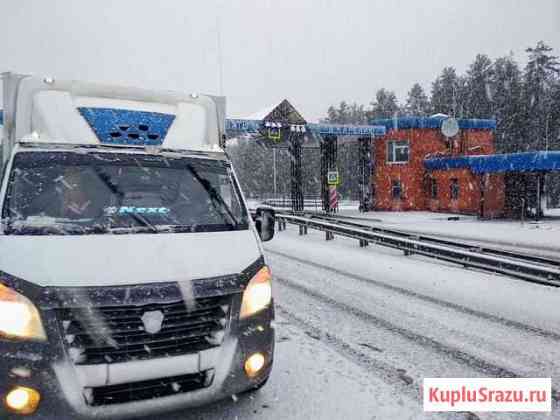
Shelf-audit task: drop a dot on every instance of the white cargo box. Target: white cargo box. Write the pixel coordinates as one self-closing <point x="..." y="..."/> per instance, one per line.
<point x="46" y="110"/>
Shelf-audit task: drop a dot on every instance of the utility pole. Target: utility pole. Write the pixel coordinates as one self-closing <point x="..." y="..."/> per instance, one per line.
<point x="220" y="61"/>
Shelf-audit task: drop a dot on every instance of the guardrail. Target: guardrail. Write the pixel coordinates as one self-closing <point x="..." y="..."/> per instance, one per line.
<point x="522" y="266"/>
<point x="309" y="202"/>
<point x="434" y="239"/>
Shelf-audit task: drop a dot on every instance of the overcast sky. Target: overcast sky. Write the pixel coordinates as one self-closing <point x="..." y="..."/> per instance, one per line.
<point x="313" y="52"/>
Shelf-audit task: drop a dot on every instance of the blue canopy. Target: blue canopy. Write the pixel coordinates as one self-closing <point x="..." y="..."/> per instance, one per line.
<point x="242" y="126"/>
<point x="433" y="122"/>
<point x="542" y="161"/>
<point x="234" y="126"/>
<point x="347" y="130"/>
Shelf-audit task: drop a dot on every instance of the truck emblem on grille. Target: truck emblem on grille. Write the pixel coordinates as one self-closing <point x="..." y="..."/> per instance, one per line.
<point x="152" y="321"/>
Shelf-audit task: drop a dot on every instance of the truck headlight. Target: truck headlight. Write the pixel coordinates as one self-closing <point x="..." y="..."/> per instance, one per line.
<point x="19" y="318"/>
<point x="257" y="294"/>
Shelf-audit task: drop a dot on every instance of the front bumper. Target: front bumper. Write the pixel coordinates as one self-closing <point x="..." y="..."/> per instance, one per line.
<point x="37" y="366"/>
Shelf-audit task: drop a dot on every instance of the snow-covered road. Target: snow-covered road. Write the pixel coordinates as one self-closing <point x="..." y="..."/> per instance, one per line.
<point x="359" y="328"/>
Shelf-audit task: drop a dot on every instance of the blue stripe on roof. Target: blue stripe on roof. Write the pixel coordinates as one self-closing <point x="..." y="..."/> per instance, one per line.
<point x="433" y="122"/>
<point x="1" y="117"/>
<point x="512" y="162"/>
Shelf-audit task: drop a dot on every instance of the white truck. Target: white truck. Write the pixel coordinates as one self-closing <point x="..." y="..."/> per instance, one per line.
<point x="132" y="277"/>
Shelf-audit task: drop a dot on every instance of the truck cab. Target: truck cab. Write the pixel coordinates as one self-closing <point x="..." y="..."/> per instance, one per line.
<point x="132" y="275"/>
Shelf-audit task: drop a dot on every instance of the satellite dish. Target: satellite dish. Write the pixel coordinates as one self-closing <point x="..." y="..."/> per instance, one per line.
<point x="450" y="127"/>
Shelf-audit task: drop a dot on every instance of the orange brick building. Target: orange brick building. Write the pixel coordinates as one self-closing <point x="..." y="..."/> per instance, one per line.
<point x="402" y="182"/>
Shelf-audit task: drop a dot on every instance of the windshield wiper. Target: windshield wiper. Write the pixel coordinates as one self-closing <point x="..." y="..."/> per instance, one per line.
<point x="217" y="200"/>
<point x="20" y="227"/>
<point x="141" y="220"/>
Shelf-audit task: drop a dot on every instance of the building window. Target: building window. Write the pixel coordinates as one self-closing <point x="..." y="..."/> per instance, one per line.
<point x="433" y="188"/>
<point x="454" y="189"/>
<point x="397" y="151"/>
<point x="396" y="190"/>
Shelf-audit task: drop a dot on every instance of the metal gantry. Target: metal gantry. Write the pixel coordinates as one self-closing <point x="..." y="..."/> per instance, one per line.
<point x="284" y="127"/>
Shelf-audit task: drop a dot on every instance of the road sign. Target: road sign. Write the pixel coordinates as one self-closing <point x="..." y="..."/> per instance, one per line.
<point x="274" y="134"/>
<point x="333" y="178"/>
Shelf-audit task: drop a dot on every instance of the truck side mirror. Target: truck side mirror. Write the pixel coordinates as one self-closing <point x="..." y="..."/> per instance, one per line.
<point x="264" y="222"/>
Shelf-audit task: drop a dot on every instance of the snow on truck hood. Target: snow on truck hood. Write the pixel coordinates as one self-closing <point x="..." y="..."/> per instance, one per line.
<point x="113" y="260"/>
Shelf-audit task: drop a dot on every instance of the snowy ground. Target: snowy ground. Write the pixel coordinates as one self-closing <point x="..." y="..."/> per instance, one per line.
<point x="532" y="237"/>
<point x="543" y="236"/>
<point x="359" y="328"/>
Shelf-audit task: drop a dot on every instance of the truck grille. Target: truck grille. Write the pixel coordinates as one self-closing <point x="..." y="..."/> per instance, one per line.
<point x="155" y="388"/>
<point x="113" y="334"/>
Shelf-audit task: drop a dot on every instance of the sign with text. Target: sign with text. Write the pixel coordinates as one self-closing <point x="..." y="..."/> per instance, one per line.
<point x="488" y="394"/>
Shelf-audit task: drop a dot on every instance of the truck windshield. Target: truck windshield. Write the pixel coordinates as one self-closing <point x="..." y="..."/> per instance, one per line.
<point x="59" y="193"/>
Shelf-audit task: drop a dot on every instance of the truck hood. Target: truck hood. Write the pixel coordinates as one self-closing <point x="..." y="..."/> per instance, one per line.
<point x="113" y="260"/>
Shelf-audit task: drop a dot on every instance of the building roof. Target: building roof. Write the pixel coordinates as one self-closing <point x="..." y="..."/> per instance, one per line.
<point x="541" y="161"/>
<point x="433" y="122"/>
<point x="261" y="114"/>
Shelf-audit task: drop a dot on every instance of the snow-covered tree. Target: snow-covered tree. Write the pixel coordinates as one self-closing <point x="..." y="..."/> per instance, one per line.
<point x="385" y="104"/>
<point x="444" y="92"/>
<point x="478" y="88"/>
<point x="417" y="102"/>
<point x="346" y="114"/>
<point x="506" y="88"/>
<point x="540" y="77"/>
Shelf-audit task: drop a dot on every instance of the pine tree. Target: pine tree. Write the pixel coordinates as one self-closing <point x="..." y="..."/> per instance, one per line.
<point x="332" y="115"/>
<point x="417" y="103"/>
<point x="506" y="87"/>
<point x="385" y="104"/>
<point x="346" y="114"/>
<point x="478" y="82"/>
<point x="253" y="166"/>
<point x="461" y="98"/>
<point x="342" y="113"/>
<point x="444" y="92"/>
<point x="357" y="115"/>
<point x="540" y="75"/>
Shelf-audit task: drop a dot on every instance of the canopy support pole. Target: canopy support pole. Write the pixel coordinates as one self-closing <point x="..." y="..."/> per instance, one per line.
<point x="295" y="140"/>
<point x="365" y="173"/>
<point x="329" y="145"/>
